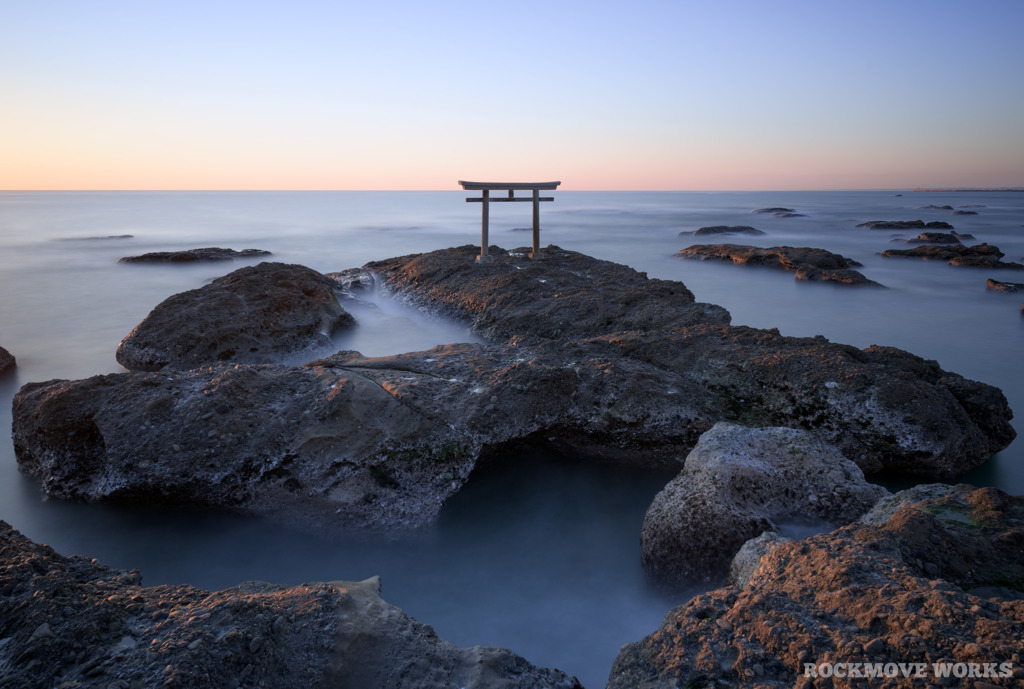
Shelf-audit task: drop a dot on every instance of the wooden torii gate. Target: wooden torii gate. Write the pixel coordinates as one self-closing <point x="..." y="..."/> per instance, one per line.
<point x="511" y="187"/>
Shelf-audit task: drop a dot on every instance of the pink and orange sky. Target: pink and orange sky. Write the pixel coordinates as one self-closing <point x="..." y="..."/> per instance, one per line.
<point x="401" y="95"/>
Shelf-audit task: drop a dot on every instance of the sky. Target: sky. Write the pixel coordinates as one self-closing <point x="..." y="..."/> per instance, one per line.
<point x="712" y="95"/>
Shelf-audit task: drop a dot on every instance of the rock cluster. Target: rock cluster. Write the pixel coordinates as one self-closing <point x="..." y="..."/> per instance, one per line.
<point x="937" y="581"/>
<point x="977" y="256"/>
<point x="256" y="314"/>
<point x="905" y="225"/>
<point x="7" y="361"/>
<point x="806" y="262"/>
<point x="211" y="253"/>
<point x="725" y="229"/>
<point x="585" y="354"/>
<point x="738" y="483"/>
<point x="72" y="622"/>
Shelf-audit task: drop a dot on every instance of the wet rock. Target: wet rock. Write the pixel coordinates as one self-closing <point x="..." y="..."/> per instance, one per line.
<point x="7" y="361"/>
<point x="257" y="314"/>
<point x="806" y="262"/>
<point x="725" y="229"/>
<point x="774" y="210"/>
<point x="194" y="255"/>
<point x="977" y="256"/>
<point x="591" y="356"/>
<point x="939" y="238"/>
<point x="999" y="286"/>
<point x="738" y="483"/>
<point x="905" y="225"/>
<point x="115" y="633"/>
<point x="859" y="594"/>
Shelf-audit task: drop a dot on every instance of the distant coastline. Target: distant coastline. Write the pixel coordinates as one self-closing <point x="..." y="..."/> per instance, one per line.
<point x="1017" y="189"/>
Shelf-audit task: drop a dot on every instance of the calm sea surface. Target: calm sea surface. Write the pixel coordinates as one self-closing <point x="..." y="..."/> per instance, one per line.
<point x="543" y="556"/>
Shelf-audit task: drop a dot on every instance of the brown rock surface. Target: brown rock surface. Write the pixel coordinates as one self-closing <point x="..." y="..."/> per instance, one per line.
<point x="808" y="263"/>
<point x="977" y="256"/>
<point x="941" y="580"/>
<point x="72" y="622"/>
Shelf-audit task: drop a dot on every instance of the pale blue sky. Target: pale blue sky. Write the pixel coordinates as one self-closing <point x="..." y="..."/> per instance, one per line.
<point x="639" y="95"/>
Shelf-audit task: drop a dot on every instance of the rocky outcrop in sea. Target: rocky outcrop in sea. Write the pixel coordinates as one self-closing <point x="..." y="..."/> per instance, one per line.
<point x="939" y="238"/>
<point x="906" y="225"/>
<point x="211" y="253"/>
<point x="808" y="263"/>
<point x="256" y="314"/>
<point x="584" y="354"/>
<point x="1000" y="286"/>
<point x="725" y="229"/>
<point x="7" y="361"/>
<point x="72" y="622"/>
<point x="926" y="590"/>
<point x="977" y="256"/>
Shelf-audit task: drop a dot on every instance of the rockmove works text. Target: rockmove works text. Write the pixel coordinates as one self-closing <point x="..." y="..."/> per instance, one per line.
<point x="939" y="670"/>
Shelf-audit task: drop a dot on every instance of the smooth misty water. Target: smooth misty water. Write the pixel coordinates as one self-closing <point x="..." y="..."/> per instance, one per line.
<point x="541" y="555"/>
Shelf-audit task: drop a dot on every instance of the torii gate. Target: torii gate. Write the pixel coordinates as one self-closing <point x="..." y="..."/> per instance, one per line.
<point x="511" y="187"/>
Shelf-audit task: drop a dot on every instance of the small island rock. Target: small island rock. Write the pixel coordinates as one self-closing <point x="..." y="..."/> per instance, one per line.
<point x="977" y="256"/>
<point x="194" y="255"/>
<point x="725" y="229"/>
<point x="774" y="210"/>
<point x="256" y="314"/>
<point x="7" y="361"/>
<point x="905" y="225"/>
<point x="999" y="286"/>
<point x="808" y="263"/>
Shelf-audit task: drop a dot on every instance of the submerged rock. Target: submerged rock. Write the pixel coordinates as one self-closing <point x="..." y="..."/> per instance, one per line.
<point x="905" y="225"/>
<point x="70" y="621"/>
<point x="939" y="238"/>
<point x="7" y="361"/>
<point x="256" y="314"/>
<point x="977" y="256"/>
<point x="807" y="263"/>
<point x="940" y="581"/>
<point x="961" y="212"/>
<point x="725" y="229"/>
<point x="194" y="255"/>
<point x="587" y="355"/>
<point x="774" y="210"/>
<point x="738" y="483"/>
<point x="999" y="286"/>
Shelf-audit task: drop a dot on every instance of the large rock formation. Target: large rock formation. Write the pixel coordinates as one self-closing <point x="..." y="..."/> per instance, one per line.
<point x="257" y="314"/>
<point x="739" y="482"/>
<point x="7" y="361"/>
<point x="935" y="589"/>
<point x="806" y="262"/>
<point x="977" y="256"/>
<point x="72" y="622"/>
<point x="595" y="356"/>
<point x="210" y="253"/>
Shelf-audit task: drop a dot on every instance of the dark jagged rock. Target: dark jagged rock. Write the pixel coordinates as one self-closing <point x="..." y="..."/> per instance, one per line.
<point x="977" y="256"/>
<point x="596" y="357"/>
<point x="738" y="483"/>
<point x="937" y="208"/>
<point x="999" y="286"/>
<point x="939" y="238"/>
<point x="905" y="225"/>
<point x="774" y="210"/>
<point x="965" y="212"/>
<point x="806" y="262"/>
<point x="564" y="294"/>
<point x="7" y="361"/>
<point x="72" y="622"/>
<point x="725" y="229"/>
<point x="194" y="255"/>
<point x="256" y="314"/>
<point x="941" y="580"/>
